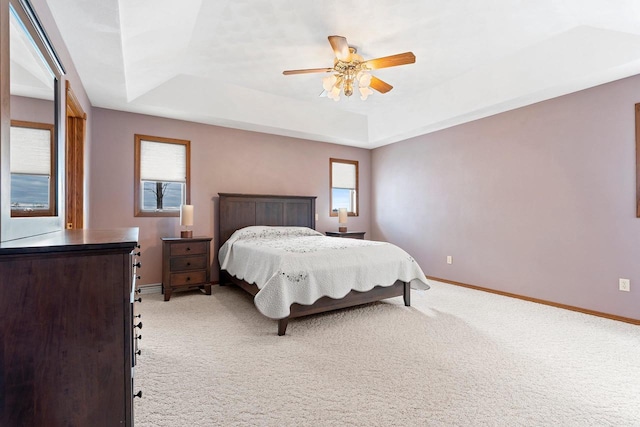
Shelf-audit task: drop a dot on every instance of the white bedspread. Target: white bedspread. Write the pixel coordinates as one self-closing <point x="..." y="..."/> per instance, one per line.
<point x="300" y="265"/>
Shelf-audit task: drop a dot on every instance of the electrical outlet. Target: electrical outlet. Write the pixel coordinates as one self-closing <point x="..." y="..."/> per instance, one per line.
<point x="624" y="285"/>
<point x="449" y="259"/>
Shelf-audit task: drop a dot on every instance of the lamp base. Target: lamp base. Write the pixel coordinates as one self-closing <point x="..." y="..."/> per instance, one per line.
<point x="186" y="234"/>
<point x="342" y="229"/>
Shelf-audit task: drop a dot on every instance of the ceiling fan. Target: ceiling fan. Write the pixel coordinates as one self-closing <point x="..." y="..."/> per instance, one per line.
<point x="351" y="70"/>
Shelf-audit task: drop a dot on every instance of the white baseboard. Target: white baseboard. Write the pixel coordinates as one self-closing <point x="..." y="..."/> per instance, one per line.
<point x="151" y="288"/>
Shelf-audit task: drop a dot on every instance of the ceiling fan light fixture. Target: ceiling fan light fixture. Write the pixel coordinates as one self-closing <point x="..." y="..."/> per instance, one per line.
<point x="350" y="71"/>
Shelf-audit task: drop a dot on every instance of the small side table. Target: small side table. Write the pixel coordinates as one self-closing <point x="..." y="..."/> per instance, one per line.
<point x="346" y="234"/>
<point x="185" y="264"/>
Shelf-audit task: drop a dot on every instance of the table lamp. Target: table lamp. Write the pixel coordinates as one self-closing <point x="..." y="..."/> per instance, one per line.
<point x="342" y="220"/>
<point x="186" y="220"/>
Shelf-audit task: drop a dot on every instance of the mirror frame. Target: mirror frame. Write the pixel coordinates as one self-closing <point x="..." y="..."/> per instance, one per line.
<point x="17" y="227"/>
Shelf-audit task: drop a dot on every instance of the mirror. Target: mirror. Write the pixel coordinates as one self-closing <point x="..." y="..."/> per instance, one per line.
<point x="33" y="118"/>
<point x="30" y="108"/>
<point x="343" y="191"/>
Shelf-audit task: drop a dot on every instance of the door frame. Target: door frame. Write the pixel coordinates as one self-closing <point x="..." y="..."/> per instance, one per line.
<point x="74" y="160"/>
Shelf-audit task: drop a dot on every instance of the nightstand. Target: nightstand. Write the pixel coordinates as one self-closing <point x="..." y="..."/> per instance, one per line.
<point x="346" y="234"/>
<point x="185" y="264"/>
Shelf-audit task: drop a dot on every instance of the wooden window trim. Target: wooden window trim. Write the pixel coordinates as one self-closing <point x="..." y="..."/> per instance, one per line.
<point x="349" y="162"/>
<point x="53" y="172"/>
<point x="138" y="211"/>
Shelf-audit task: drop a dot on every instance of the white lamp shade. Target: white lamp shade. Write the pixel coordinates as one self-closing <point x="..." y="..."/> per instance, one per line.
<point x="342" y="215"/>
<point x="186" y="215"/>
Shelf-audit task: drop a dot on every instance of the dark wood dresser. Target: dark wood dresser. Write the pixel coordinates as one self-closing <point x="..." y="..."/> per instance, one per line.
<point x="66" y="328"/>
<point x="186" y="263"/>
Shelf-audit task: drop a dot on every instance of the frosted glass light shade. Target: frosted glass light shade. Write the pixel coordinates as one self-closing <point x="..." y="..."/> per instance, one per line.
<point x="328" y="82"/>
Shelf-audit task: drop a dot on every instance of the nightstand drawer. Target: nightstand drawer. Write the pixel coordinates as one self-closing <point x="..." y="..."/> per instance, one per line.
<point x="189" y="248"/>
<point x="195" y="277"/>
<point x="196" y="262"/>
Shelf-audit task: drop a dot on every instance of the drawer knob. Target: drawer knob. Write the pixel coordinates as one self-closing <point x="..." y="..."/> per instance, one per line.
<point x="138" y="300"/>
<point x="188" y="278"/>
<point x="188" y="264"/>
<point x="137" y="264"/>
<point x="138" y="394"/>
<point x="138" y="316"/>
<point x="139" y="352"/>
<point x="139" y="337"/>
<point x="188" y="248"/>
<point x="139" y="325"/>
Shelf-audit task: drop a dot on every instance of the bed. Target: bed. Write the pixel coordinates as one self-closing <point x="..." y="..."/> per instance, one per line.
<point x="269" y="248"/>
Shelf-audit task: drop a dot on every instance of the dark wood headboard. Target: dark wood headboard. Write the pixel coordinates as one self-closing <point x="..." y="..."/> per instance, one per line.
<point x="242" y="210"/>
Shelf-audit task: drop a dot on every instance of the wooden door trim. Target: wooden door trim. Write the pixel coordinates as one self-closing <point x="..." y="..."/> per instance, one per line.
<point x="75" y="135"/>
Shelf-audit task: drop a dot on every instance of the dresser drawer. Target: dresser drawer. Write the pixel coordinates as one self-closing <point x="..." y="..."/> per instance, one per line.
<point x="195" y="277"/>
<point x="189" y="248"/>
<point x="195" y="262"/>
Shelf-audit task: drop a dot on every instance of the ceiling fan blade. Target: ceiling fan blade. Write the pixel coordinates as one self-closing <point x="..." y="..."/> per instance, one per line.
<point x="391" y="61"/>
<point x="379" y="85"/>
<point x="340" y="47"/>
<point x="307" y="71"/>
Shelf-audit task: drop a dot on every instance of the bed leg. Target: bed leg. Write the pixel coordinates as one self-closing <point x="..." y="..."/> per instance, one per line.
<point x="282" y="326"/>
<point x="407" y="294"/>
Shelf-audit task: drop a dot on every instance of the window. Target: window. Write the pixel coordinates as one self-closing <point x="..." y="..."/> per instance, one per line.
<point x="162" y="175"/>
<point x="33" y="172"/>
<point x="343" y="184"/>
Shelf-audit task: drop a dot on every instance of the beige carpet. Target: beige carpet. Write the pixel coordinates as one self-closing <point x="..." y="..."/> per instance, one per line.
<point x="457" y="357"/>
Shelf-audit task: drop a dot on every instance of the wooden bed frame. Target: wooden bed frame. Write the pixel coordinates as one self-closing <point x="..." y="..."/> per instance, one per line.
<point x="243" y="210"/>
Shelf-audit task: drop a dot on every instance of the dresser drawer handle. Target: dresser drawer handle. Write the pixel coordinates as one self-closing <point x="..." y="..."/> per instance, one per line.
<point x="188" y="264"/>
<point x="138" y="394"/>
<point x="188" y="278"/>
<point x="188" y="248"/>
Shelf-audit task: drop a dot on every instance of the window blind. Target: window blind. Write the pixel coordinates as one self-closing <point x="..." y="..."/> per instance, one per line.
<point x="343" y="175"/>
<point x="160" y="161"/>
<point x="30" y="151"/>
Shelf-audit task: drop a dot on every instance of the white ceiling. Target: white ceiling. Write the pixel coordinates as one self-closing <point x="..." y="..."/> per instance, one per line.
<point x="221" y="62"/>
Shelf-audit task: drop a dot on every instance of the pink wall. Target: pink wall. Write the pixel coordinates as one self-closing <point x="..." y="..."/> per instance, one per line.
<point x="32" y="109"/>
<point x="222" y="160"/>
<point x="538" y="201"/>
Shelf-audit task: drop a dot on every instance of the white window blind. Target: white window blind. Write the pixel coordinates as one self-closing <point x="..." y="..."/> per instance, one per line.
<point x="343" y="175"/>
<point x="30" y="151"/>
<point x="160" y="161"/>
